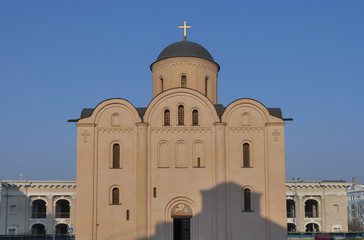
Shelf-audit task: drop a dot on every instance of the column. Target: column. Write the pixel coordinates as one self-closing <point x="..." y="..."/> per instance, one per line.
<point x="142" y="180"/>
<point x="300" y="215"/>
<point x="50" y="215"/>
<point x="221" y="182"/>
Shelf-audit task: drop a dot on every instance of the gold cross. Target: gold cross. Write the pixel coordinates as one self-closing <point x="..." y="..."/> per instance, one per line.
<point x="184" y="29"/>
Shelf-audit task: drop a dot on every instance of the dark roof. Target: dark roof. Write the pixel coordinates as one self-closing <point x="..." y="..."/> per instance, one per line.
<point x="141" y="112"/>
<point x="185" y="49"/>
<point x="220" y="109"/>
<point x="276" y="112"/>
<point x="86" y="112"/>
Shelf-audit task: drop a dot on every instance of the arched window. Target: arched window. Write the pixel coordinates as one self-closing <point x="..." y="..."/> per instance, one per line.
<point x="206" y="85"/>
<point x="247" y="200"/>
<point x="116" y="156"/>
<point x="311" y="209"/>
<point x="352" y="211"/>
<point x="161" y="84"/>
<point x="183" y="81"/>
<point x="115" y="196"/>
<point x="246" y="155"/>
<point x="167" y="118"/>
<point x="181" y="115"/>
<point x="62" y="209"/>
<point x="195" y="117"/>
<point x="39" y="209"/>
<point x="290" y="208"/>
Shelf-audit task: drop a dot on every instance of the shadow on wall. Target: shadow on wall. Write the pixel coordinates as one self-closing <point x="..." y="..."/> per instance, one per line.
<point x="24" y="215"/>
<point x="239" y="223"/>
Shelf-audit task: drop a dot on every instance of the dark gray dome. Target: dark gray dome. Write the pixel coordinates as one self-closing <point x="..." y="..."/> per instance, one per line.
<point x="185" y="49"/>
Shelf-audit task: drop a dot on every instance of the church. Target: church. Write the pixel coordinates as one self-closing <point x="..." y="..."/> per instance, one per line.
<point x="183" y="167"/>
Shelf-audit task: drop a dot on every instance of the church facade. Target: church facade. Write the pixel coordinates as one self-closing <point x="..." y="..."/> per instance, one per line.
<point x="184" y="167"/>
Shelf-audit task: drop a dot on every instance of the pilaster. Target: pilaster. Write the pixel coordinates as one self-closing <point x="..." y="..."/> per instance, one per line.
<point x="142" y="180"/>
<point x="221" y="205"/>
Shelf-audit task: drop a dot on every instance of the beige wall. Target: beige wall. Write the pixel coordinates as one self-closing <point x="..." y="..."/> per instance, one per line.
<point x="332" y="204"/>
<point x="197" y="70"/>
<point x="167" y="162"/>
<point x="21" y="194"/>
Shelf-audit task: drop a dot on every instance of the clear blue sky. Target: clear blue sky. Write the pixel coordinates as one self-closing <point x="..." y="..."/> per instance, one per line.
<point x="304" y="56"/>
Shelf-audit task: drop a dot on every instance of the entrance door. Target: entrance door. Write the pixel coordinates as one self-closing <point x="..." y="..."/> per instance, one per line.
<point x="181" y="229"/>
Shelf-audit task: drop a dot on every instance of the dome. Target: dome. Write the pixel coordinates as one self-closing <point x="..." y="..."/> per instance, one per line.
<point x="185" y="49"/>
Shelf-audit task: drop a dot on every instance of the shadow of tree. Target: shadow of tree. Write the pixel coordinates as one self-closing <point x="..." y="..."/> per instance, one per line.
<point x="228" y="217"/>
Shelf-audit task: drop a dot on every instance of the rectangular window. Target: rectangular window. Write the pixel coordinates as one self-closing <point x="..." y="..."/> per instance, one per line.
<point x="127" y="215"/>
<point x="12" y="209"/>
<point x="11" y="231"/>
<point x="154" y="192"/>
<point x="336" y="208"/>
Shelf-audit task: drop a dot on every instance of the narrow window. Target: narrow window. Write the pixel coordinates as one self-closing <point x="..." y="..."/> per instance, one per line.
<point x="115" y="196"/>
<point x="183" y="81"/>
<point x="206" y="85"/>
<point x="116" y="156"/>
<point x="195" y="117"/>
<point x="127" y="215"/>
<point x="246" y="155"/>
<point x="198" y="162"/>
<point x="155" y="192"/>
<point x="247" y="200"/>
<point x="181" y="115"/>
<point x="161" y="84"/>
<point x="167" y="118"/>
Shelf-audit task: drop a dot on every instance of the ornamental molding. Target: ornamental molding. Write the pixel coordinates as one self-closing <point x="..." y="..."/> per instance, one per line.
<point x="180" y="130"/>
<point x="185" y="64"/>
<point x="116" y="130"/>
<point x="245" y="129"/>
<point x="307" y="185"/>
<point x="37" y="184"/>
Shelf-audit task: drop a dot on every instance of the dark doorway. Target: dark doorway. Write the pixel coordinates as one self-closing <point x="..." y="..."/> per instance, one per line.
<point x="181" y="229"/>
<point x="38" y="229"/>
<point x="61" y="228"/>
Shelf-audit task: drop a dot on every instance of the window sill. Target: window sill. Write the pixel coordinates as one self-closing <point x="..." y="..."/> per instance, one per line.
<point x="246" y="167"/>
<point x="115" y="204"/>
<point x="199" y="167"/>
<point x="247" y="211"/>
<point x="116" y="168"/>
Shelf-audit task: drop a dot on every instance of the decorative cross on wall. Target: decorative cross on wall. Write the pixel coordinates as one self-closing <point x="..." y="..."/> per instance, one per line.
<point x="85" y="134"/>
<point x="276" y="134"/>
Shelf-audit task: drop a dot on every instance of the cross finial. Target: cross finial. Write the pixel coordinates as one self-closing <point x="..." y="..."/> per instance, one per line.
<point x="184" y="29"/>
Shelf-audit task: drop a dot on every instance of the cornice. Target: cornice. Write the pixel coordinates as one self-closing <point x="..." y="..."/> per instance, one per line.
<point x="184" y="64"/>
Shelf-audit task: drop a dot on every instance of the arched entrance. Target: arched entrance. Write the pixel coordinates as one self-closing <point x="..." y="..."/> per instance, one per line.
<point x="291" y="227"/>
<point x="181" y="214"/>
<point x="38" y="228"/>
<point x="312" y="227"/>
<point x="61" y="228"/>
